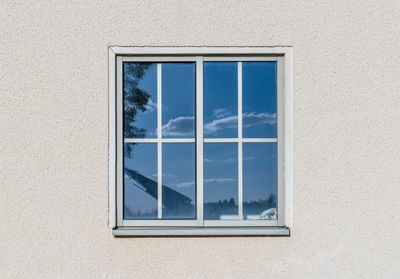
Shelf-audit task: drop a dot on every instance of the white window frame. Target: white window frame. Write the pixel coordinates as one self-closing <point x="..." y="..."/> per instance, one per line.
<point x="283" y="56"/>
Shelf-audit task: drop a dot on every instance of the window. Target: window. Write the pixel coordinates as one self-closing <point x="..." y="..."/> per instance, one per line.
<point x="200" y="141"/>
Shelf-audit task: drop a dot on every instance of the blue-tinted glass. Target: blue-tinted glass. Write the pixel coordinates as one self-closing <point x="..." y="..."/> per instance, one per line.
<point x="220" y="100"/>
<point x="178" y="93"/>
<point x="259" y="180"/>
<point x="140" y="181"/>
<point x="259" y="99"/>
<point x="140" y="100"/>
<point x="179" y="182"/>
<point x="220" y="181"/>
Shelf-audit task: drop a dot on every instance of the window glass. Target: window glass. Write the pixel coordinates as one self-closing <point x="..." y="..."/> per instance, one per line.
<point x="220" y="181"/>
<point x="259" y="99"/>
<point x="140" y="100"/>
<point x="220" y="100"/>
<point x="178" y="93"/>
<point x="163" y="185"/>
<point x="140" y="181"/>
<point x="179" y="180"/>
<point x="259" y="181"/>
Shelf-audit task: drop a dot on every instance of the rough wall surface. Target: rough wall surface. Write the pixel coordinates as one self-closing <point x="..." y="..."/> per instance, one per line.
<point x="53" y="130"/>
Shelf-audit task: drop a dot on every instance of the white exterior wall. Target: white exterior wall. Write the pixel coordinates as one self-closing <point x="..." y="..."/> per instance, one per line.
<point x="54" y="138"/>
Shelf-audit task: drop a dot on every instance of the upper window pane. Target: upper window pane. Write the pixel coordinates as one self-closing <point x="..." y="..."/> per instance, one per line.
<point x="178" y="93"/>
<point x="140" y="100"/>
<point x="259" y="99"/>
<point x="220" y="100"/>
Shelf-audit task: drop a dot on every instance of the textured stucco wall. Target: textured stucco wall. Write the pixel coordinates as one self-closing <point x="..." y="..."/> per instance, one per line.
<point x="53" y="130"/>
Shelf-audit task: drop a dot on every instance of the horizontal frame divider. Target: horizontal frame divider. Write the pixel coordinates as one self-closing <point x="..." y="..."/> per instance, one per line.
<point x="207" y="140"/>
<point x="131" y="140"/>
<point x="215" y="140"/>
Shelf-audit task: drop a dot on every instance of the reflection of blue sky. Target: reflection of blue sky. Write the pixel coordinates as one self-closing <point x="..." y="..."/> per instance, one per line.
<point x="259" y="174"/>
<point x="220" y="99"/>
<point x="220" y="174"/>
<point x="179" y="174"/>
<point x="178" y="93"/>
<point x="259" y="99"/>
<point x="137" y="203"/>
<point x="148" y="118"/>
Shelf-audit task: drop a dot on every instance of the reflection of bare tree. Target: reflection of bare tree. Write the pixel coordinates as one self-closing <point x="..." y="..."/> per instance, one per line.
<point x="135" y="100"/>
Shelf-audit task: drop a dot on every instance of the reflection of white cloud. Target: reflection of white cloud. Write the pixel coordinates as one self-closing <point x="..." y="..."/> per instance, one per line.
<point x="207" y="160"/>
<point x="183" y="126"/>
<point x="170" y="175"/>
<point x="179" y="127"/>
<point x="219" y="180"/>
<point x="220" y="124"/>
<point x="230" y="160"/>
<point x="248" y="158"/>
<point x="250" y="119"/>
<point x="211" y="180"/>
<point x="150" y="106"/>
<point x="221" y="113"/>
<point x="185" y="184"/>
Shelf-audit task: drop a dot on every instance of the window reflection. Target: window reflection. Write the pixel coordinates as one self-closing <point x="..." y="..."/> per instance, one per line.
<point x="140" y="181"/>
<point x="179" y="198"/>
<point x="178" y="93"/>
<point x="220" y="181"/>
<point x="140" y="100"/>
<point x="220" y="99"/>
<point x="259" y="180"/>
<point x="259" y="99"/>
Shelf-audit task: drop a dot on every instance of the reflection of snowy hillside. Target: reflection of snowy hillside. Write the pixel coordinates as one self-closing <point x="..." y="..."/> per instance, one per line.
<point x="269" y="214"/>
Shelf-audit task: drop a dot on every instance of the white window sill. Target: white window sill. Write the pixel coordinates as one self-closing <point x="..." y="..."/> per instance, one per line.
<point x="191" y="231"/>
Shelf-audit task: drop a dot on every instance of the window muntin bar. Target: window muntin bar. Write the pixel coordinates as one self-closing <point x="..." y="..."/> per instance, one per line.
<point x="159" y="145"/>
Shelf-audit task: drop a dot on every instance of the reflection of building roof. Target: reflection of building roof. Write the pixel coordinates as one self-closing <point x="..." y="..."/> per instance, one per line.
<point x="171" y="198"/>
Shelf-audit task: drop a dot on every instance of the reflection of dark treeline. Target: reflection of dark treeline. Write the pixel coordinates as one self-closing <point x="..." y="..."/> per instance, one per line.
<point x="149" y="214"/>
<point x="213" y="210"/>
<point x="135" y="100"/>
<point x="180" y="210"/>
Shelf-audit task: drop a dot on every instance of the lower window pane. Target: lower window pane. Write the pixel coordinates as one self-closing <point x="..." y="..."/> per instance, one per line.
<point x="140" y="181"/>
<point x="179" y="181"/>
<point x="260" y="181"/>
<point x="220" y="181"/>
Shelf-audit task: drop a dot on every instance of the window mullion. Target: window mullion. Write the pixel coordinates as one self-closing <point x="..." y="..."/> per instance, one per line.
<point x="199" y="142"/>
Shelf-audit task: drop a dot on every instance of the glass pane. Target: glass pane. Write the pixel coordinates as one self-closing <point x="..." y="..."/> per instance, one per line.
<point x="178" y="92"/>
<point x="179" y="182"/>
<point x="260" y="181"/>
<point x="220" y="100"/>
<point x="140" y="100"/>
<point x="140" y="181"/>
<point x="259" y="99"/>
<point x="220" y="181"/>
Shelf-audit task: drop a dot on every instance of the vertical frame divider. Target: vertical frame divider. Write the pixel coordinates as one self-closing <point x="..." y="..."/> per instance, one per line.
<point x="281" y="147"/>
<point x="120" y="147"/>
<point x="199" y="143"/>
<point x="240" y="143"/>
<point x="159" y="143"/>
